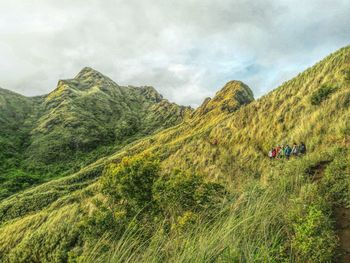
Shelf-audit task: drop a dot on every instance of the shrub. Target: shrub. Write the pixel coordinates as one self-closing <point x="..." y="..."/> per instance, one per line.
<point x="128" y="188"/>
<point x="336" y="182"/>
<point x="313" y="238"/>
<point x="321" y="94"/>
<point x="131" y="181"/>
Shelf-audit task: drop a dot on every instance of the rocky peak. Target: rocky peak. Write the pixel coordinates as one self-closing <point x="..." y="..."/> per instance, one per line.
<point x="230" y="98"/>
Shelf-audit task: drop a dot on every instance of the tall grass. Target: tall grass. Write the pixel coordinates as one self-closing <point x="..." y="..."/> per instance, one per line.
<point x="250" y="228"/>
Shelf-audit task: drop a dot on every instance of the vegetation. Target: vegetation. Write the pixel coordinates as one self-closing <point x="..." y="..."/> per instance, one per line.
<point x="15" y="181"/>
<point x="202" y="190"/>
<point x="83" y="119"/>
<point x="137" y="197"/>
<point x="321" y="94"/>
<point x="336" y="181"/>
<point x="287" y="219"/>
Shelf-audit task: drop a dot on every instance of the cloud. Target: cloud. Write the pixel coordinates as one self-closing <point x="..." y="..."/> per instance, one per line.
<point x="185" y="49"/>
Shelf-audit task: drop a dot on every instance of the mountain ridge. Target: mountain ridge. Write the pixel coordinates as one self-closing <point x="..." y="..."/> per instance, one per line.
<point x="88" y="115"/>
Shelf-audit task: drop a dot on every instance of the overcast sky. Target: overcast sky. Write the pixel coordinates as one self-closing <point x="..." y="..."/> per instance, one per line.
<point x="186" y="49"/>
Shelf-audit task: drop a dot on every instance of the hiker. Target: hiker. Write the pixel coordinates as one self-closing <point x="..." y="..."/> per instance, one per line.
<point x="287" y="151"/>
<point x="302" y="148"/>
<point x="272" y="153"/>
<point x="281" y="152"/>
<point x="295" y="149"/>
<point x="278" y="151"/>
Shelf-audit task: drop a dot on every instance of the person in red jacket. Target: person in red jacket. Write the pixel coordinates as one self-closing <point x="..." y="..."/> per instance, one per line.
<point x="272" y="153"/>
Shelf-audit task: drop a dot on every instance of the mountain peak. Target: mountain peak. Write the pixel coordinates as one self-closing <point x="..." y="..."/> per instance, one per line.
<point x="230" y="98"/>
<point x="88" y="72"/>
<point x="236" y="90"/>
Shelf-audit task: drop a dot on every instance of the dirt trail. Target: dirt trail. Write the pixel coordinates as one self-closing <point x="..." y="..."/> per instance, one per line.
<point x="341" y="216"/>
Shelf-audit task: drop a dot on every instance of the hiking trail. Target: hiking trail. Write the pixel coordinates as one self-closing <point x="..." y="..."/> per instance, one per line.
<point x="342" y="219"/>
<point x="341" y="216"/>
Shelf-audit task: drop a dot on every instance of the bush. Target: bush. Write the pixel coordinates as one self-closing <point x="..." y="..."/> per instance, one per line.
<point x="135" y="190"/>
<point x="131" y="181"/>
<point x="336" y="182"/>
<point x="313" y="238"/>
<point x="321" y="94"/>
<point x="128" y="199"/>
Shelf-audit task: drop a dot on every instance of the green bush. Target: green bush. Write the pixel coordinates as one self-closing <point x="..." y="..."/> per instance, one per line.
<point x="131" y="181"/>
<point x="313" y="238"/>
<point x="139" y="198"/>
<point x="321" y="94"/>
<point x="336" y="181"/>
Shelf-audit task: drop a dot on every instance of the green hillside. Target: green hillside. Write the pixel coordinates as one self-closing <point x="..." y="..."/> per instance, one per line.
<point x="83" y="119"/>
<point x="14" y="113"/>
<point x="200" y="191"/>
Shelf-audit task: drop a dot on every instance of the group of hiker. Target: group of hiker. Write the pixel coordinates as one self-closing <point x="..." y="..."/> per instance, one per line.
<point x="280" y="151"/>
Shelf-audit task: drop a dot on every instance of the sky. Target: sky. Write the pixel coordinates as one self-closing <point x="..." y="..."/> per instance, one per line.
<point x="186" y="49"/>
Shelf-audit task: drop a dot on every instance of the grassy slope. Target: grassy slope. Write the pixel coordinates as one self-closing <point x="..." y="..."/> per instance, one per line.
<point x="82" y="120"/>
<point x="283" y="116"/>
<point x="90" y="111"/>
<point x="50" y="214"/>
<point x="17" y="114"/>
<point x="15" y="109"/>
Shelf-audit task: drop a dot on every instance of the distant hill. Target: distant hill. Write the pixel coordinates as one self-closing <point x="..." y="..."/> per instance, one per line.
<point x="81" y="120"/>
<point x="270" y="209"/>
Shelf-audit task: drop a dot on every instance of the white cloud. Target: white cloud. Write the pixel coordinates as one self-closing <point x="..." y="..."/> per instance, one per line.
<point x="185" y="49"/>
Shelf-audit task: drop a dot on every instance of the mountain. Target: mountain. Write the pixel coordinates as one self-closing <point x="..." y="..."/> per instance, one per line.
<point x="90" y="111"/>
<point x="229" y="99"/>
<point x="82" y="119"/>
<point x="203" y="190"/>
<point x="15" y="111"/>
